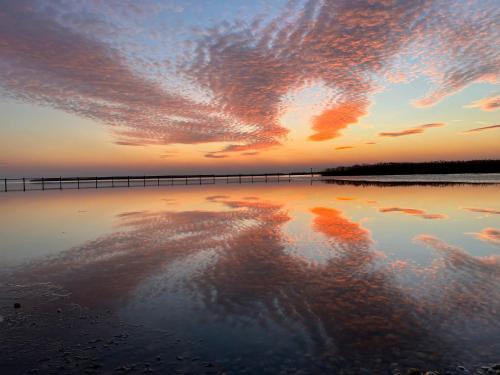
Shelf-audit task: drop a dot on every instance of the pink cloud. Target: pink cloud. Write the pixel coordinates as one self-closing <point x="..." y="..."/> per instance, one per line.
<point x="482" y="129"/>
<point x="483" y="210"/>
<point x="457" y="49"/>
<point x="491" y="103"/>
<point x="168" y="154"/>
<point x="339" y="44"/>
<point x="490" y="235"/>
<point x="44" y="62"/>
<point x="416" y="130"/>
<point x="80" y="58"/>
<point x="215" y="155"/>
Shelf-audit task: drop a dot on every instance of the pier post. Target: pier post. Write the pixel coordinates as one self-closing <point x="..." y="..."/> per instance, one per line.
<point x="43" y="183"/>
<point x="186" y="180"/>
<point x="144" y="180"/>
<point x="24" y="184"/>
<point x="252" y="179"/>
<point x="213" y="179"/>
<point x="266" y="177"/>
<point x="60" y="182"/>
<point x="240" y="178"/>
<point x="78" y="182"/>
<point x="278" y="178"/>
<point x="227" y="179"/>
<point x="5" y="184"/>
<point x="128" y="181"/>
<point x="289" y="177"/>
<point x="158" y="181"/>
<point x="112" y="182"/>
<point x="96" y="182"/>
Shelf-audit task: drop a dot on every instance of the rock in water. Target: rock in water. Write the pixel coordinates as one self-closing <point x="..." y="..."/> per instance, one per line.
<point x="17" y="305"/>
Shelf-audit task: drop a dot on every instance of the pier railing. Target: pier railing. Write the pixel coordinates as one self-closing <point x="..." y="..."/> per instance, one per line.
<point x="60" y="183"/>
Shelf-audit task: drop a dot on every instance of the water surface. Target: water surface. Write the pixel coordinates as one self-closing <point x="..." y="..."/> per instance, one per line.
<point x="263" y="278"/>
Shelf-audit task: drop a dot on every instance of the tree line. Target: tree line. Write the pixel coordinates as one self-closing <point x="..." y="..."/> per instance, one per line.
<point x="432" y="167"/>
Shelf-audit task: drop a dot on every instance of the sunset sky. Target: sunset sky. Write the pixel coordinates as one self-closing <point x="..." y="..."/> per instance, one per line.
<point x="113" y="86"/>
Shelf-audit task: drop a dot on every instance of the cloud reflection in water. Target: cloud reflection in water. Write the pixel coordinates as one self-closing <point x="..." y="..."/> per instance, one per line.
<point x="353" y="305"/>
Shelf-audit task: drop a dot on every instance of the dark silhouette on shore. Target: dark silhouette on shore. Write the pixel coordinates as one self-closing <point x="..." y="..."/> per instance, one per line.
<point x="432" y="167"/>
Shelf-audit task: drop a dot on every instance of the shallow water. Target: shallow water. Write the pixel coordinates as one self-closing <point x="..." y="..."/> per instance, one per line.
<point x="263" y="278"/>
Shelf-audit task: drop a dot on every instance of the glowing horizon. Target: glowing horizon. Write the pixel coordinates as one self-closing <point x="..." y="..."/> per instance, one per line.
<point x="100" y="87"/>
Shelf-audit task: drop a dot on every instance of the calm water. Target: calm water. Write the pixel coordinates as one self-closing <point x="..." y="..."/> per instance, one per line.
<point x="276" y="278"/>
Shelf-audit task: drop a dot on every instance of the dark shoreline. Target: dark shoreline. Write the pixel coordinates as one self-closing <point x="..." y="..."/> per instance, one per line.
<point x="432" y="167"/>
<point x="345" y="180"/>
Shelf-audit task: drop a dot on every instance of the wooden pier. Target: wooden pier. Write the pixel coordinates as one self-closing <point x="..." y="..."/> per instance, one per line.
<point x="60" y="183"/>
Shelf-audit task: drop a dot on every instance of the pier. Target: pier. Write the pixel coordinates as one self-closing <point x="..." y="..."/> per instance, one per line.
<point x="60" y="183"/>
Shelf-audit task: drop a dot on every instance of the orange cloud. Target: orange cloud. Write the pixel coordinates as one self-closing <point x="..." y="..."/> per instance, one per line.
<point x="344" y="147"/>
<point x="330" y="122"/>
<point x="416" y="130"/>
